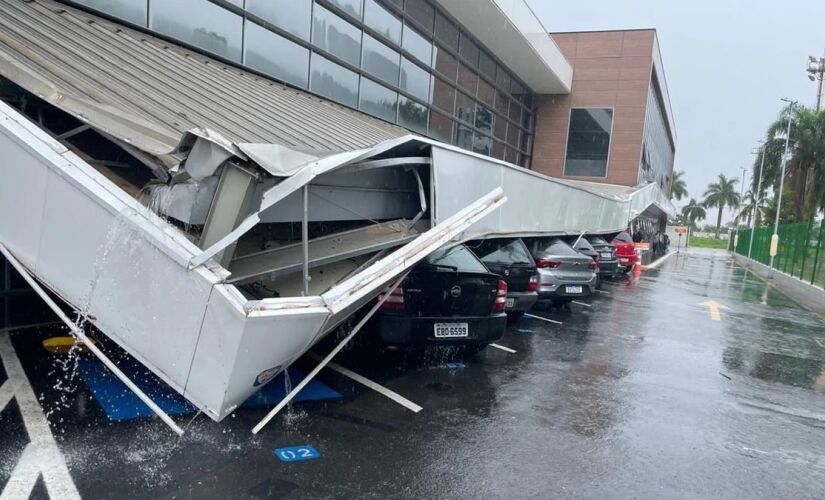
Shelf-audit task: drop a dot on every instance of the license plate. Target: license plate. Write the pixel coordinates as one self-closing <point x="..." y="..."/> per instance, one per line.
<point x="573" y="289"/>
<point x="607" y="255"/>
<point x="510" y="303"/>
<point x="451" y="330"/>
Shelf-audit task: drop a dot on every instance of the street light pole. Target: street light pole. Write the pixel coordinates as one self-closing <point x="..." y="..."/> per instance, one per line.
<point x="736" y="219"/>
<point x="757" y="199"/>
<point x="816" y="73"/>
<point x="775" y="237"/>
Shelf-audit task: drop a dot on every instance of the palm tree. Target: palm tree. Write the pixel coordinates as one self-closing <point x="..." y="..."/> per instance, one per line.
<point x="746" y="208"/>
<point x="694" y="211"/>
<point x="678" y="187"/>
<point x="806" y="162"/>
<point x="722" y="194"/>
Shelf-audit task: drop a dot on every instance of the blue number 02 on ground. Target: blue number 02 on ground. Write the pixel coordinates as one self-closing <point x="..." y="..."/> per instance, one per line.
<point x="297" y="453"/>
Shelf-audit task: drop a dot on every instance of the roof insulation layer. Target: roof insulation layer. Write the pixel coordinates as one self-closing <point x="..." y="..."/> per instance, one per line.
<point x="148" y="92"/>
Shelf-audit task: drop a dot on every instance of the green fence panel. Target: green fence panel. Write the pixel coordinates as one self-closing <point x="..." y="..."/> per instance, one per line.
<point x="817" y="271"/>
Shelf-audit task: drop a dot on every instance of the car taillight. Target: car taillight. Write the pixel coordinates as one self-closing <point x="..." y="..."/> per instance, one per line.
<point x="395" y="301"/>
<point x="501" y="296"/>
<point x="533" y="284"/>
<point x="594" y="264"/>
<point x="547" y="263"/>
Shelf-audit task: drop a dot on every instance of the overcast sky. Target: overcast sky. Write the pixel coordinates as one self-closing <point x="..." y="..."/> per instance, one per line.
<point x="727" y="64"/>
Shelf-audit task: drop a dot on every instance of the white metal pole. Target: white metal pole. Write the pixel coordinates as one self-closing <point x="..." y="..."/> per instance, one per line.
<point x="757" y="199"/>
<point x="81" y="336"/>
<point x="326" y="360"/>
<point x="775" y="237"/>
<point x="305" y="239"/>
<point x="741" y="197"/>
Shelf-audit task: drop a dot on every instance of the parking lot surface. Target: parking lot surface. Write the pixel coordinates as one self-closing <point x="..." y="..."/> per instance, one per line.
<point x="697" y="380"/>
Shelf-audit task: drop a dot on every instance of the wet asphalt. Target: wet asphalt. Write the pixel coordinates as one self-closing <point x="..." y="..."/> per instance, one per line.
<point x="640" y="395"/>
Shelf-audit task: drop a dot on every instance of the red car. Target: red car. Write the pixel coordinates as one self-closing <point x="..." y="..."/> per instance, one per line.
<point x="625" y="251"/>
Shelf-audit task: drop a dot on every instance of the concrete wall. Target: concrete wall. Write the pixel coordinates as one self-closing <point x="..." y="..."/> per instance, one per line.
<point x="610" y="69"/>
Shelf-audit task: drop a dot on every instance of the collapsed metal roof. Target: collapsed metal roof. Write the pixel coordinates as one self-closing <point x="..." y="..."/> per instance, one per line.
<point x="148" y="92"/>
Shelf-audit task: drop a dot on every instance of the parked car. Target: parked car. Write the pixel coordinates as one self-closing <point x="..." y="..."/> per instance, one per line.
<point x="564" y="274"/>
<point x="608" y="262"/>
<point x="450" y="298"/>
<point x="584" y="247"/>
<point x="510" y="259"/>
<point x="625" y="251"/>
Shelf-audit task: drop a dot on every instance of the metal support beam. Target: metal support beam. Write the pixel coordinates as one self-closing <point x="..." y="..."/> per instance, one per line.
<point x="80" y="335"/>
<point x="305" y="239"/>
<point x="228" y="208"/>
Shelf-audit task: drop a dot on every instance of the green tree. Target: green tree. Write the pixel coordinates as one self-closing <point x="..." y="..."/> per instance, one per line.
<point x="694" y="211"/>
<point x="722" y="194"/>
<point x="678" y="187"/>
<point x="746" y="208"/>
<point x="805" y="169"/>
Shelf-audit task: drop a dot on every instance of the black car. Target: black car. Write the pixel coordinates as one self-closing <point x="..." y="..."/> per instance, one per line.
<point x="608" y="262"/>
<point x="450" y="298"/>
<point x="510" y="259"/>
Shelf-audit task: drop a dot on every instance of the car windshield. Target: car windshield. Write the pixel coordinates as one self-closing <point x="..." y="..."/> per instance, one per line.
<point x="504" y="252"/>
<point x="457" y="257"/>
<point x="558" y="247"/>
<point x="623" y="237"/>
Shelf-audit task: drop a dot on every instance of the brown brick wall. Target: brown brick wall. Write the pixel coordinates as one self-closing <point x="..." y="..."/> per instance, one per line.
<point x="610" y="69"/>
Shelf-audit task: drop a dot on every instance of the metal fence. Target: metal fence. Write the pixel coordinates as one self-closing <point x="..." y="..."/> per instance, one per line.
<point x="801" y="251"/>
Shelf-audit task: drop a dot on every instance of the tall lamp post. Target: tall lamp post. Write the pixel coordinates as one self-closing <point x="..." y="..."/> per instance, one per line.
<point x="757" y="196"/>
<point x="736" y="219"/>
<point x="816" y="73"/>
<point x="775" y="237"/>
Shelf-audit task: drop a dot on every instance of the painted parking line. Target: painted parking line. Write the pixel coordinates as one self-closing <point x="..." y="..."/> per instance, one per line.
<point x="41" y="457"/>
<point x="505" y="349"/>
<point x="819" y="342"/>
<point x="406" y="403"/>
<point x="581" y="303"/>
<point x="543" y="319"/>
<point x="602" y="292"/>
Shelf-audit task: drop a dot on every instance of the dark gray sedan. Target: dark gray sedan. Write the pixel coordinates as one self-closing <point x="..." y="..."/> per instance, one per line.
<point x="564" y="273"/>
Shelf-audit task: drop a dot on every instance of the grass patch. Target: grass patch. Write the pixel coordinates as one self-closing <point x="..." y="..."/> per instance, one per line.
<point x="696" y="241"/>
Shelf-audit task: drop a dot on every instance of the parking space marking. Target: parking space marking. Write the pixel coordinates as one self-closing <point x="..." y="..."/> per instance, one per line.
<point x="406" y="403"/>
<point x="41" y="456"/>
<point x="603" y="292"/>
<point x="581" y="303"/>
<point x="505" y="349"/>
<point x="816" y="339"/>
<point x="543" y="319"/>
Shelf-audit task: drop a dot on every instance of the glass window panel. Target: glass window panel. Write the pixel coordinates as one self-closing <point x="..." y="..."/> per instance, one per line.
<point x="524" y="161"/>
<point x="133" y="11"/>
<point x="528" y="100"/>
<point x="588" y="142"/>
<point x="526" y="142"/>
<point x="513" y="135"/>
<point x="498" y="150"/>
<point x="511" y="155"/>
<point x="274" y="55"/>
<point x="503" y="79"/>
<point x="526" y="120"/>
<point x="484" y="119"/>
<point x="468" y="50"/>
<point x="381" y="20"/>
<point x="352" y="7"/>
<point x="500" y="128"/>
<point x="517" y="91"/>
<point x="441" y="127"/>
<point x="443" y="95"/>
<point x="398" y="3"/>
<point x="380" y="61"/>
<point x="486" y="93"/>
<point x="377" y="100"/>
<point x="421" y="12"/>
<point x="412" y="115"/>
<point x="336" y="36"/>
<point x="515" y="111"/>
<point x="486" y="66"/>
<point x="464" y="107"/>
<point x="417" y="45"/>
<point x="446" y="32"/>
<point x="502" y="103"/>
<point x="200" y="23"/>
<point x="482" y="144"/>
<point x="467" y="79"/>
<point x="415" y="80"/>
<point x="333" y="81"/>
<point x="464" y="137"/>
<point x="445" y="63"/>
<point x="293" y="16"/>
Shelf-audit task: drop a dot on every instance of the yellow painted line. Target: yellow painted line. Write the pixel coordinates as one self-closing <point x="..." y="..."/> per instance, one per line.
<point x="714" y="308"/>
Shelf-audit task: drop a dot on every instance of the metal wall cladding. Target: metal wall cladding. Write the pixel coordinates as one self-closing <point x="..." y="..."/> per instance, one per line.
<point x="146" y="91"/>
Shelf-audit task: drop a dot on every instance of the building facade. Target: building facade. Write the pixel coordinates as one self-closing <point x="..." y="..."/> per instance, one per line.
<point x="615" y="126"/>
